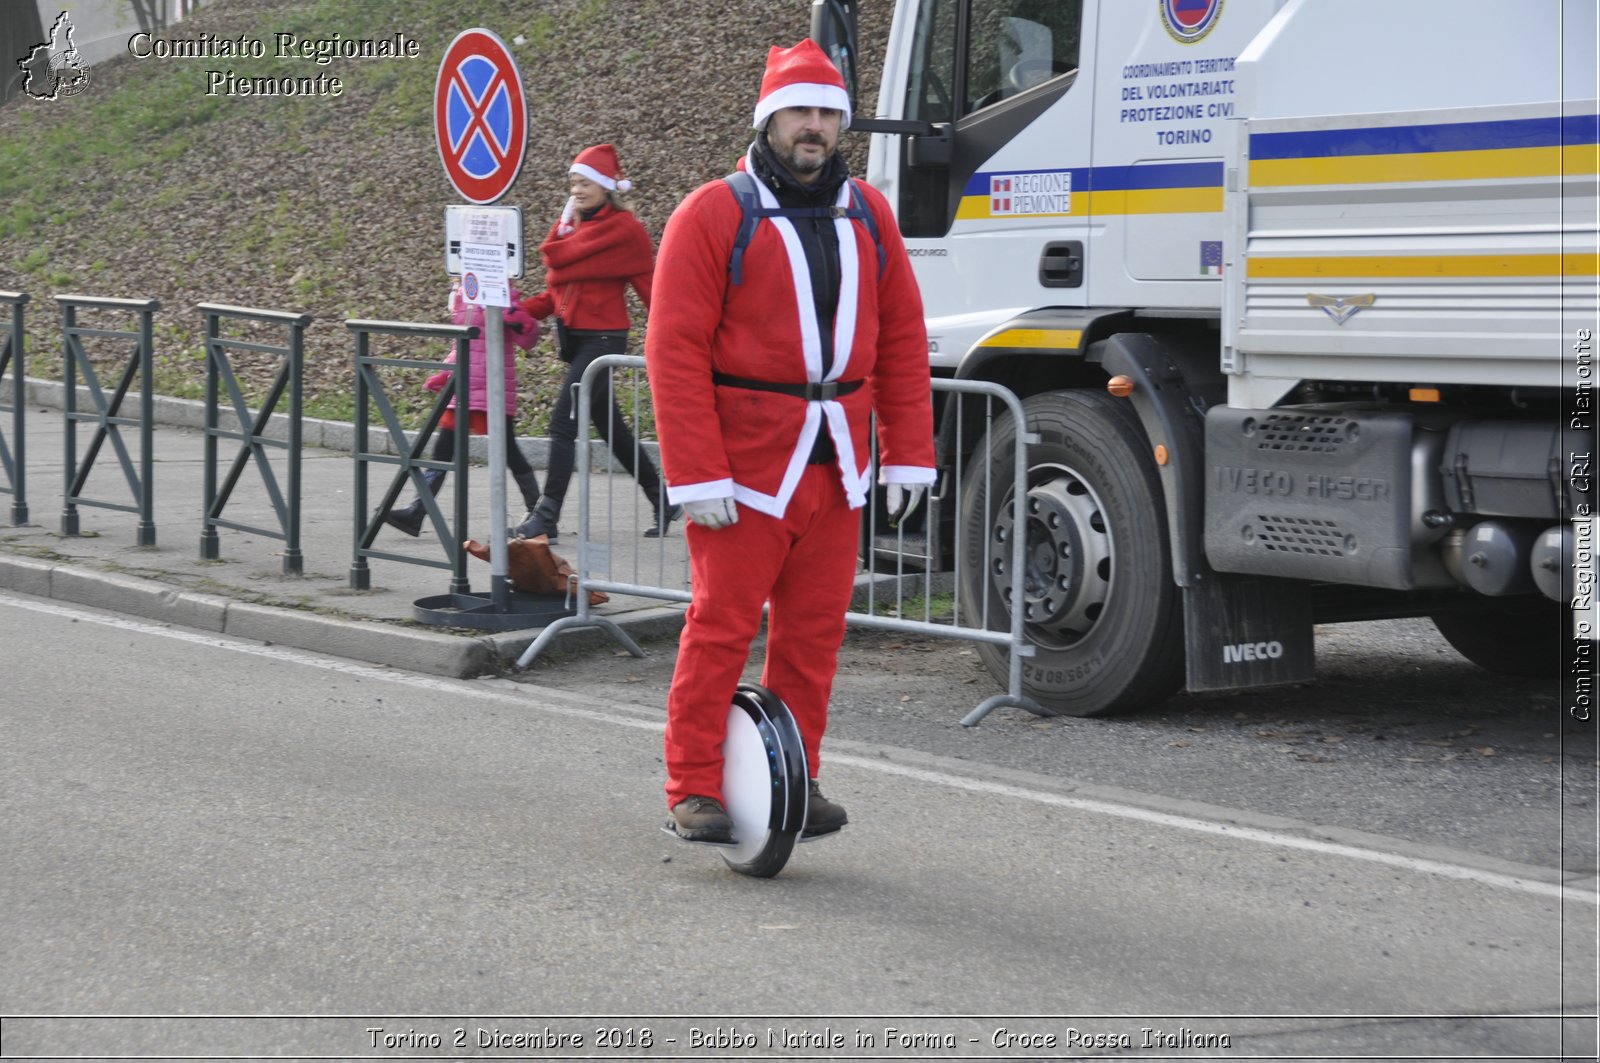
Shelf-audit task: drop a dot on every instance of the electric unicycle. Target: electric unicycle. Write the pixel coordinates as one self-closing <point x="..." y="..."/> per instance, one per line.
<point x="765" y="784"/>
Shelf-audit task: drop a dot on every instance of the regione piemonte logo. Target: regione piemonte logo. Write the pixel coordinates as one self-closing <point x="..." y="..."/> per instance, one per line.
<point x="1038" y="192"/>
<point x="999" y="195"/>
<point x="53" y="68"/>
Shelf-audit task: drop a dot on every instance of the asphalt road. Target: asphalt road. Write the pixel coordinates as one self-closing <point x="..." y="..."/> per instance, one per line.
<point x="197" y="826"/>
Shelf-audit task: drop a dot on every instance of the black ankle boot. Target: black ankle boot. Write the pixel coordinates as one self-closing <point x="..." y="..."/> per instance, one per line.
<point x="409" y="518"/>
<point x="542" y="521"/>
<point x="664" y="519"/>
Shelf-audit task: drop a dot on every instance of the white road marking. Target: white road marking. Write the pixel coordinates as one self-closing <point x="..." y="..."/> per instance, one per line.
<point x="619" y="714"/>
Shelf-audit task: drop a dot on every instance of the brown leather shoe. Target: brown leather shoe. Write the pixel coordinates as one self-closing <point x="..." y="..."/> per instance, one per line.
<point x="702" y="819"/>
<point x="823" y="816"/>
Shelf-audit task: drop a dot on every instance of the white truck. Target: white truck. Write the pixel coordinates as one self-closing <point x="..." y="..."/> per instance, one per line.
<point x="1299" y="296"/>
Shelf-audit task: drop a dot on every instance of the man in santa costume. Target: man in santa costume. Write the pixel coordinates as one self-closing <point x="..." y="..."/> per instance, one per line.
<point x="764" y="388"/>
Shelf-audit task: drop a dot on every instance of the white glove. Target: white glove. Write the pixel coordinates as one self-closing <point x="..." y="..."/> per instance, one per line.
<point x="901" y="500"/>
<point x="713" y="512"/>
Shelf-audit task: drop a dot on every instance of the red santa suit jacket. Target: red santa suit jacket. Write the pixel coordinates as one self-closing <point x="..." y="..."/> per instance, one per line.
<point x="722" y="440"/>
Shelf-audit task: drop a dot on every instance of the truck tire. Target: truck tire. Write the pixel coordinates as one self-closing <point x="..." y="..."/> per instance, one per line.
<point x="1102" y="611"/>
<point x="1511" y="636"/>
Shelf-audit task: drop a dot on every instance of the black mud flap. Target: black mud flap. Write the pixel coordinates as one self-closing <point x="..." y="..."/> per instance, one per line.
<point x="1247" y="631"/>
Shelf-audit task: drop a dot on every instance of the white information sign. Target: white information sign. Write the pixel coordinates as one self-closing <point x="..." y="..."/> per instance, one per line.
<point x="483" y="225"/>
<point x="483" y="274"/>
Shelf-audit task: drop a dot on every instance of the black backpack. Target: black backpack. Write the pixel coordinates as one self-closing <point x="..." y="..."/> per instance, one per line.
<point x="752" y="211"/>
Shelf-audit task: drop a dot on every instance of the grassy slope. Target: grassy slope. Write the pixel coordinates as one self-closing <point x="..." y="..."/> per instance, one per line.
<point x="145" y="187"/>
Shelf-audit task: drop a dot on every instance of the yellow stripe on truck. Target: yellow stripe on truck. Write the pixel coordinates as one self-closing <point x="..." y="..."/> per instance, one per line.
<point x="1049" y="338"/>
<point x="1574" y="160"/>
<point x="1423" y="266"/>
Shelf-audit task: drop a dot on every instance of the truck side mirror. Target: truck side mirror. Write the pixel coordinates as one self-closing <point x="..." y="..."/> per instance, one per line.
<point x="833" y="27"/>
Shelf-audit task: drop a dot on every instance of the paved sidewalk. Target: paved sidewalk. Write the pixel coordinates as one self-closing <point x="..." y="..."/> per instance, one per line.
<point x="245" y="591"/>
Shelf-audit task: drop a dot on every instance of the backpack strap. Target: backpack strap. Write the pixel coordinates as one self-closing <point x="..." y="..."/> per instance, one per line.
<point x="750" y="214"/>
<point x="751" y="211"/>
<point x="859" y="209"/>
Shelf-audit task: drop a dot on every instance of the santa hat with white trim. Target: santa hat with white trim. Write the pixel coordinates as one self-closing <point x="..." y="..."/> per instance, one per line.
<point x="802" y="76"/>
<point x="601" y="165"/>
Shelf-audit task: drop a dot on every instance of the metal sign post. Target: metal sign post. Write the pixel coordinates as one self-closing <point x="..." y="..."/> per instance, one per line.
<point x="484" y="282"/>
<point x="481" y="128"/>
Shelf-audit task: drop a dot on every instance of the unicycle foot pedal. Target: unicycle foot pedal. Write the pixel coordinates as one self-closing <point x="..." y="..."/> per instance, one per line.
<point x="823" y="835"/>
<point x="669" y="827"/>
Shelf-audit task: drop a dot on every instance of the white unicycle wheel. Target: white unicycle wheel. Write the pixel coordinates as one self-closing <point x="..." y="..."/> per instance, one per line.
<point x="764" y="782"/>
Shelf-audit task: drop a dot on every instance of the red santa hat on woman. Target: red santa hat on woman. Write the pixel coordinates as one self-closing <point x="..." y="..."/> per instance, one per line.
<point x="802" y="76"/>
<point x="601" y="165"/>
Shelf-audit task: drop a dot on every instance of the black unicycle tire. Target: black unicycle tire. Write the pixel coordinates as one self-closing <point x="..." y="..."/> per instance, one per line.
<point x="786" y="759"/>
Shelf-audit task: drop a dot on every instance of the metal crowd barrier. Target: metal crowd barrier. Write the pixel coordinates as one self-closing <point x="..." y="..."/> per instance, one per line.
<point x="408" y="454"/>
<point x="902" y="600"/>
<point x="14" y="457"/>
<point x="251" y="434"/>
<point x="107" y="413"/>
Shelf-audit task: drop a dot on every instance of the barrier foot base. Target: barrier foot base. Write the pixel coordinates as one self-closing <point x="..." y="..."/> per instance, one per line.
<point x="481" y="612"/>
<point x="568" y="622"/>
<point x="973" y="718"/>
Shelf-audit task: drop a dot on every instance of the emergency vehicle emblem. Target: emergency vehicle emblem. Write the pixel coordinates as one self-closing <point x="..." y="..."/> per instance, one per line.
<point x="1341" y="307"/>
<point x="1187" y="21"/>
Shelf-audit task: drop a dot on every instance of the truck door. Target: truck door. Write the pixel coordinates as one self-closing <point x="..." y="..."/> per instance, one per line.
<point x="993" y="205"/>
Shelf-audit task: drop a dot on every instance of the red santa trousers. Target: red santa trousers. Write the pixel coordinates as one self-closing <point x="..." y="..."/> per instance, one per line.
<point x="804" y="563"/>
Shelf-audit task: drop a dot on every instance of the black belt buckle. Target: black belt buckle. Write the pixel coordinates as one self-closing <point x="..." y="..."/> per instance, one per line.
<point x="823" y="392"/>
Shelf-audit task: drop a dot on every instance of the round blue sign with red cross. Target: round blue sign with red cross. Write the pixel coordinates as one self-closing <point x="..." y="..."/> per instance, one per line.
<point x="480" y="117"/>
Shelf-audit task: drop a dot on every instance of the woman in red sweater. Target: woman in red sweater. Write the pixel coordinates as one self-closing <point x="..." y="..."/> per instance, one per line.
<point x="593" y="253"/>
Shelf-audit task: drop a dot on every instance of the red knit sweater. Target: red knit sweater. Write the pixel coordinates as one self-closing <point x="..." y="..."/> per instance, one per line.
<point x="588" y="270"/>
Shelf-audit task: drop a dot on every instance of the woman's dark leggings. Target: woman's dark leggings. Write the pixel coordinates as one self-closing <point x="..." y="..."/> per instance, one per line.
<point x="444" y="448"/>
<point x="603" y="414"/>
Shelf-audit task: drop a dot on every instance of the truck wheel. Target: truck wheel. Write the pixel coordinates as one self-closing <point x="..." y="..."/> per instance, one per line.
<point x="1100" y="606"/>
<point x="1512" y="636"/>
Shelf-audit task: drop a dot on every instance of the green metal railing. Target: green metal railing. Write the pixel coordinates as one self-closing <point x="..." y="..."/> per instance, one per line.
<point x="107" y="412"/>
<point x="408" y="455"/>
<point x="14" y="456"/>
<point x="252" y="431"/>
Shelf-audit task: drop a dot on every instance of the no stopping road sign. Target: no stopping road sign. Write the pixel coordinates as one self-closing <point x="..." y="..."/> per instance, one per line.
<point x="480" y="117"/>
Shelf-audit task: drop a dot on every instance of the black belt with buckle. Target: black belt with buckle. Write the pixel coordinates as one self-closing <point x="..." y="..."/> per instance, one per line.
<point x="811" y="392"/>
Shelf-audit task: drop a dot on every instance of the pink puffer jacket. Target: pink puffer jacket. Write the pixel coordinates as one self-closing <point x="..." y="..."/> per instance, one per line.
<point x="521" y="331"/>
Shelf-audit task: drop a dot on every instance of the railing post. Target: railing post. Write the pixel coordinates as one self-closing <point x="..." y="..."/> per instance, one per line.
<point x="12" y="353"/>
<point x="293" y="558"/>
<point x="69" y="408"/>
<point x="360" y="571"/>
<point x="210" y="545"/>
<point x="146" y="535"/>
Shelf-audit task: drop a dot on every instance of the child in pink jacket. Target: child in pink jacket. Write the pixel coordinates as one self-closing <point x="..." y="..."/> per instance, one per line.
<point x="521" y="333"/>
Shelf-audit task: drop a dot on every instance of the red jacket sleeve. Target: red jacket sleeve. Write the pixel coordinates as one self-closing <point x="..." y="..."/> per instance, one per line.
<point x="540" y="306"/>
<point x="690" y="284"/>
<point x="902" y="386"/>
